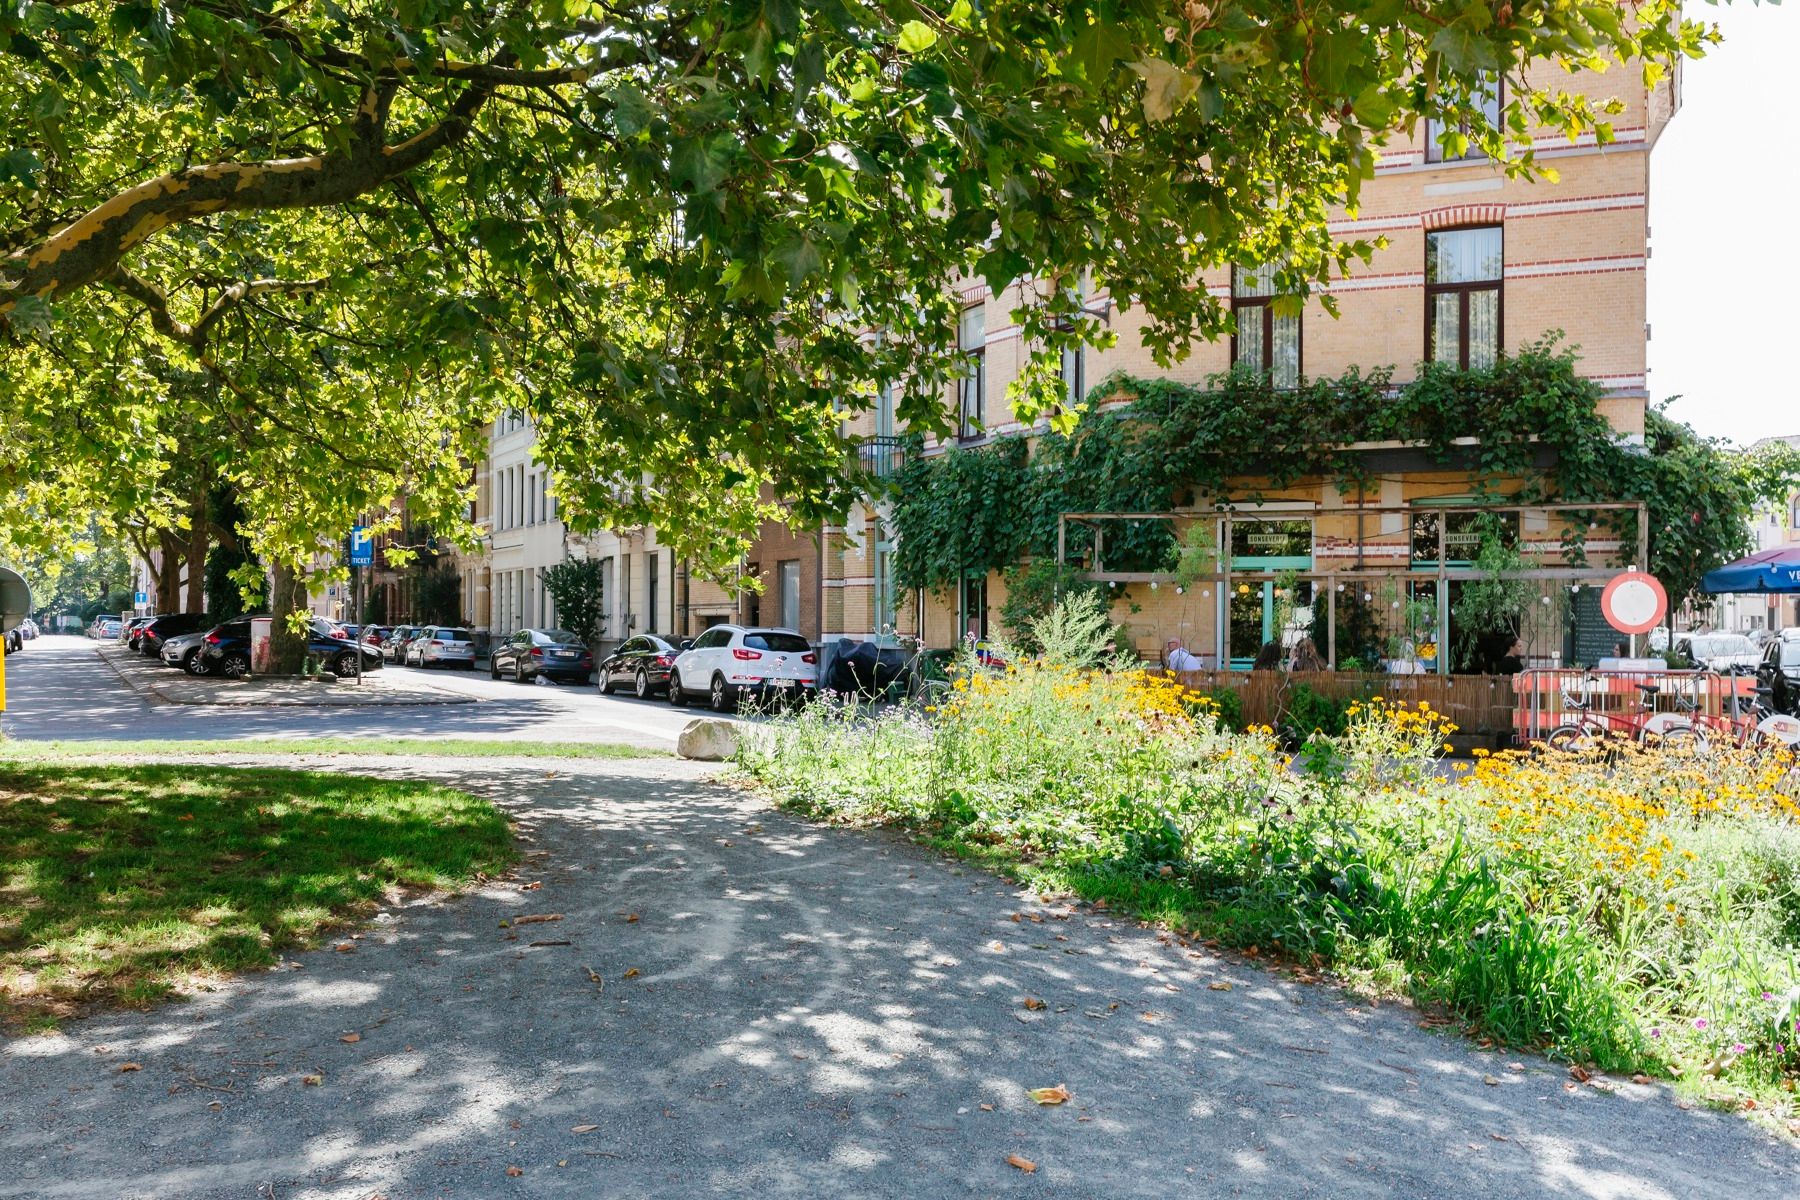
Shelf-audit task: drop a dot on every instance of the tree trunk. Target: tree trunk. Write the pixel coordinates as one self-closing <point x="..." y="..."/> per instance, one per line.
<point x="168" y="571"/>
<point x="198" y="542"/>
<point x="287" y="650"/>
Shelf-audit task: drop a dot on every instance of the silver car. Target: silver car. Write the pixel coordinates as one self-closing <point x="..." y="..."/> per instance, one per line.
<point x="183" y="651"/>
<point x="442" y="646"/>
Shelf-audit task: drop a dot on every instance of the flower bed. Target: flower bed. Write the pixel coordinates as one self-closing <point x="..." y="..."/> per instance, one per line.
<point x="1641" y="912"/>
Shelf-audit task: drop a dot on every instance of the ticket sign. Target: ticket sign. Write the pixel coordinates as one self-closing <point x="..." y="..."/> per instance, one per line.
<point x="1634" y="602"/>
<point x="362" y="547"/>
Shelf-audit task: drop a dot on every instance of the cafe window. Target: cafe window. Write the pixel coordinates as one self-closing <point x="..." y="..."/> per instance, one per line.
<point x="1462" y="296"/>
<point x="1464" y="530"/>
<point x="1271" y="544"/>
<point x="1264" y="341"/>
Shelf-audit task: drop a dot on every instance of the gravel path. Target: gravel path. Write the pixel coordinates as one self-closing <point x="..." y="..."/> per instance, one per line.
<point x="809" y="1012"/>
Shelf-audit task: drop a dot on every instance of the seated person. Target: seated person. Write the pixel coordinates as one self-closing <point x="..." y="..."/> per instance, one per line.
<point x="1177" y="657"/>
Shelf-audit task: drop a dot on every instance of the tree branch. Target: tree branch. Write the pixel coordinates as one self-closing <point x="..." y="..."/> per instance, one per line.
<point x="194" y="336"/>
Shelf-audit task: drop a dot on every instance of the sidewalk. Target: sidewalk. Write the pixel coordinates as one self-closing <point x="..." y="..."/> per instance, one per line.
<point x="160" y="684"/>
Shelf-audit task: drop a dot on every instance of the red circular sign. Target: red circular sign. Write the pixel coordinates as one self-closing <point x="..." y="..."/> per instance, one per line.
<point x="1634" y="602"/>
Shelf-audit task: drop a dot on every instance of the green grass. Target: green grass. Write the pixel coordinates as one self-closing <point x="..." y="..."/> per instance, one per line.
<point x="431" y="747"/>
<point x="127" y="884"/>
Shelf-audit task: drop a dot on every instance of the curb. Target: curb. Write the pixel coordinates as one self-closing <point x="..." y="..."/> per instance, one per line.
<point x="155" y="695"/>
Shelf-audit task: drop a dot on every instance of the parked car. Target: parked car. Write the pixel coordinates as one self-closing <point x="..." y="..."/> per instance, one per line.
<point x="15" y="640"/>
<point x="442" y="646"/>
<point x="728" y="662"/>
<point x="643" y="663"/>
<point x="393" y="646"/>
<point x="158" y="630"/>
<point x="1719" y="651"/>
<point x="106" y="627"/>
<point x="225" y="650"/>
<point x="129" y="634"/>
<point x="1780" y="672"/>
<point x="183" y="651"/>
<point x="28" y="629"/>
<point x="551" y="653"/>
<point x="374" y="635"/>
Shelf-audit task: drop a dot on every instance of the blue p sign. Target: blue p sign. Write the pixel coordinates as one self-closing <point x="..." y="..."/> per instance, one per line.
<point x="362" y="547"/>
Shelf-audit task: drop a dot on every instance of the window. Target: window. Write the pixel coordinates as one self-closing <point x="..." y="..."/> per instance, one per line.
<point x="531" y="487"/>
<point x="780" y="643"/>
<point x="1464" y="530"/>
<point x="971" y="339"/>
<point x="1487" y="102"/>
<point x="652" y="576"/>
<point x="1462" y="296"/>
<point x="974" y="609"/>
<point x="789" y="598"/>
<point x="1074" y="375"/>
<point x="1264" y="341"/>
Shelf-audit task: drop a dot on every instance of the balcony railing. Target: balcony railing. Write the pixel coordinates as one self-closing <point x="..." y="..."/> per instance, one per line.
<point x="880" y="456"/>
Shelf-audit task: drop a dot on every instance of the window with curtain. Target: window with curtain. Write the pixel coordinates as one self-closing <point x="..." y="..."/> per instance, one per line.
<point x="1462" y="296"/>
<point x="1487" y="102"/>
<point x="1263" y="342"/>
<point x="971" y="339"/>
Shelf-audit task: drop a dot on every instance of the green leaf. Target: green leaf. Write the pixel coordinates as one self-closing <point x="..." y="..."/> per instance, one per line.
<point x="801" y="258"/>
<point x="20" y="166"/>
<point x="916" y="37"/>
<point x="1166" y="87"/>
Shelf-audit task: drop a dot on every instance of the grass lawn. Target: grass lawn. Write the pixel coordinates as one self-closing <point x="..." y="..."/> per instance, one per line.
<point x="126" y="884"/>
<point x="433" y="747"/>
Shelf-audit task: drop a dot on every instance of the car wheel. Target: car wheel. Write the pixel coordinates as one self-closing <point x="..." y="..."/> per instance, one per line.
<point x="677" y="697"/>
<point x="493" y="668"/>
<point x="518" y="672"/>
<point x="606" y="680"/>
<point x="344" y="665"/>
<point x="641" y="685"/>
<point x="721" y="695"/>
<point x="195" y="665"/>
<point x="234" y="666"/>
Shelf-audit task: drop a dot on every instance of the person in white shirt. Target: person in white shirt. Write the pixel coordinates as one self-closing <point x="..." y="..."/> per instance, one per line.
<point x="1177" y="657"/>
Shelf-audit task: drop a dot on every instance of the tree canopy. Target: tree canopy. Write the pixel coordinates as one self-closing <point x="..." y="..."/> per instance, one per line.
<point x="319" y="245"/>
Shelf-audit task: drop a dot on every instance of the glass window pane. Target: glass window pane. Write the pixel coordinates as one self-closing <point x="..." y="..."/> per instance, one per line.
<point x="1484" y="327"/>
<point x="1250" y="336"/>
<point x="1253" y="281"/>
<point x="1073" y="372"/>
<point x="1284" y="370"/>
<point x="1446" y="328"/>
<point x="1463" y="255"/>
<point x="972" y="334"/>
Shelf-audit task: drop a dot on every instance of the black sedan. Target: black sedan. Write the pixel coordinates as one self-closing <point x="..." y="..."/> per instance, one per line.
<point x="552" y="653"/>
<point x="643" y="662"/>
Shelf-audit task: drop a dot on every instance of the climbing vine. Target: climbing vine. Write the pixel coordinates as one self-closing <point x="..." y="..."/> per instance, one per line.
<point x="1151" y="445"/>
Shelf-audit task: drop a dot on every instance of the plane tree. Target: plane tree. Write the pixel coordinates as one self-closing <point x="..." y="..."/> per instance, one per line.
<point x="684" y="237"/>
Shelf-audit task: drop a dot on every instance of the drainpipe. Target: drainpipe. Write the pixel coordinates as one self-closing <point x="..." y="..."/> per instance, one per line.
<point x="821" y="587"/>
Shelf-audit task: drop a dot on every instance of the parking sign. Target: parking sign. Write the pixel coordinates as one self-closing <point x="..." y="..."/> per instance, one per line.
<point x="362" y="547"/>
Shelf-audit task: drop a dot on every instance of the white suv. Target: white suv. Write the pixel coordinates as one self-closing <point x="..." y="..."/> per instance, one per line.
<point x="727" y="661"/>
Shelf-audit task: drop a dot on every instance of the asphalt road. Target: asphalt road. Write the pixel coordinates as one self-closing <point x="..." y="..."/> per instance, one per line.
<point x="793" y="1011"/>
<point x="57" y="688"/>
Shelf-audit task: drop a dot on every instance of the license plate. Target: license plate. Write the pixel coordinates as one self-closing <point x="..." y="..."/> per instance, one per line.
<point x="782" y="683"/>
<point x="562" y="654"/>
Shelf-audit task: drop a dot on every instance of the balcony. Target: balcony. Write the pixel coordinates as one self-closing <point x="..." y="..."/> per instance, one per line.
<point x="881" y="455"/>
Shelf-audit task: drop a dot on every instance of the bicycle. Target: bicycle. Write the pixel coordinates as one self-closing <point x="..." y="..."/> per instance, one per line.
<point x="1648" y="726"/>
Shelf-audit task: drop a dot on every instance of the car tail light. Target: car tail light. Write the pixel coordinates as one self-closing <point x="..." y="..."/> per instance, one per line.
<point x="665" y="660"/>
<point x="809" y="657"/>
<point x="213" y="639"/>
<point x="537" y="652"/>
<point x="743" y="655"/>
<point x="434" y="642"/>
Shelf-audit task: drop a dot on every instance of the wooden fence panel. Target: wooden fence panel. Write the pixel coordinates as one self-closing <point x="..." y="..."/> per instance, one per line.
<point x="1478" y="704"/>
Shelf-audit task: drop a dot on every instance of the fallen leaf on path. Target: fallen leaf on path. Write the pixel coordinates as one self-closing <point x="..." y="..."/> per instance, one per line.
<point x="124" y="1067"/>
<point x="997" y="947"/>
<point x="1051" y="1095"/>
<point x="1515" y="1066"/>
<point x="536" y="918"/>
<point x="312" y="1080"/>
<point x="1499" y="1137"/>
<point x="631" y="918"/>
<point x="1219" y="987"/>
<point x="531" y="887"/>
<point x="584" y="1129"/>
<point x="1034" y="1004"/>
<point x="351" y="1038"/>
<point x="987" y="1108"/>
<point x="514" y="1172"/>
<point x="1579" y="1073"/>
<point x="1024" y="1164"/>
<point x="345" y="947"/>
<point x="1491" y="1080"/>
<point x="1017" y="918"/>
<point x="1640" y="1077"/>
<point x="633" y="973"/>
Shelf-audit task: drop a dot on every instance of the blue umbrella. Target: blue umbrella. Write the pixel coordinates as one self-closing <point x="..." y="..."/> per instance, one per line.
<point x="1775" y="570"/>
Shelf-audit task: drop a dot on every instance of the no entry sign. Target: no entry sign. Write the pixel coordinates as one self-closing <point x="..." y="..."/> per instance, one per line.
<point x="1634" y="602"/>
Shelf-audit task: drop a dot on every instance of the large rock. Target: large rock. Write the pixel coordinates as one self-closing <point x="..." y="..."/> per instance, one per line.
<point x="708" y="739"/>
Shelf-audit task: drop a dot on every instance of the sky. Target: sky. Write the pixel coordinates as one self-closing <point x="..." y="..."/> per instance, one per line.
<point x="1724" y="185"/>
